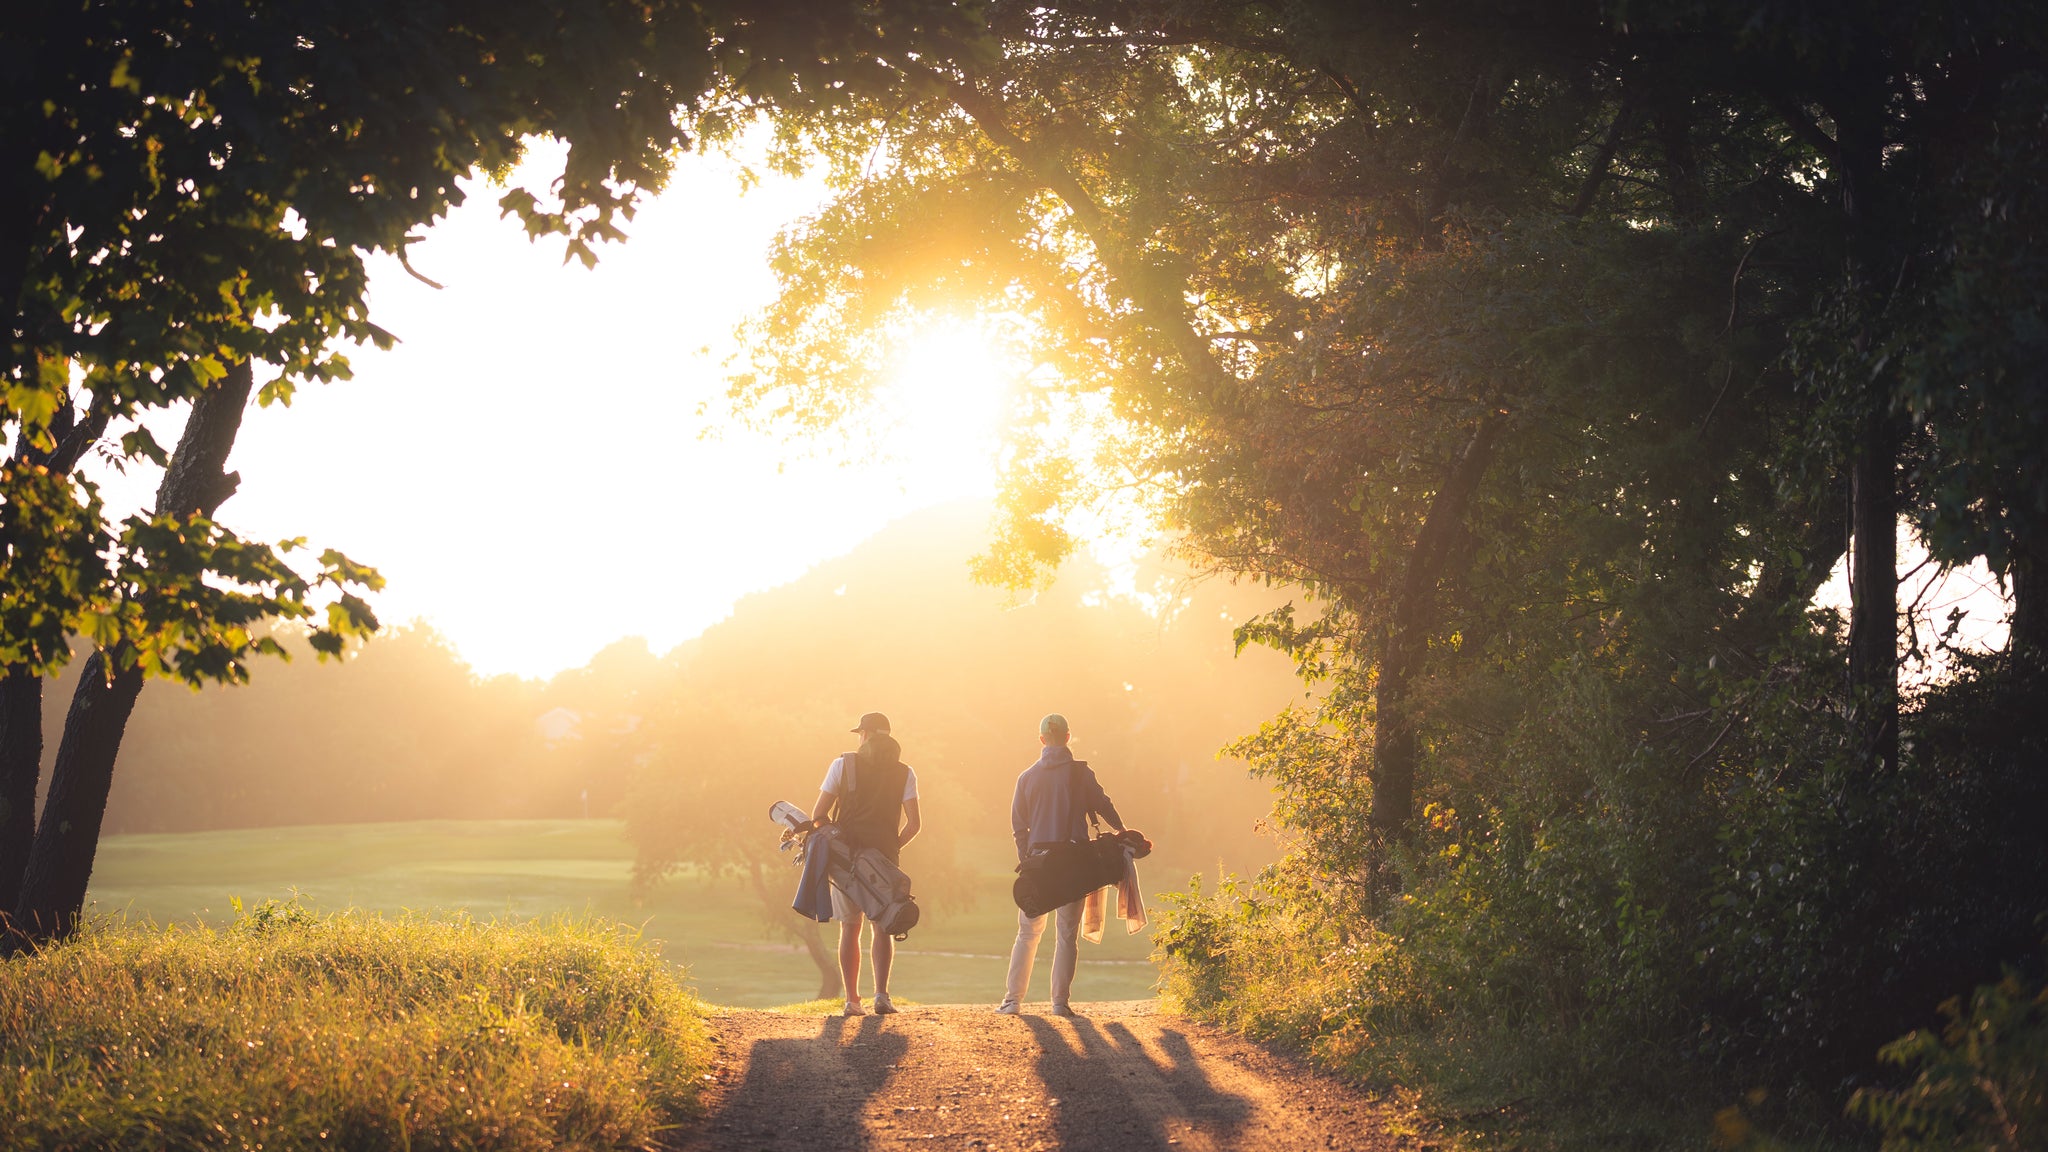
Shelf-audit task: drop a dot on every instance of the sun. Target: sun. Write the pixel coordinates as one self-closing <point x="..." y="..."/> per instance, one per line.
<point x="943" y="408"/>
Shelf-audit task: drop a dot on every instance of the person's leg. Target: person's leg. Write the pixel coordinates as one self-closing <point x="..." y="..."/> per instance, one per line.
<point x="1065" y="952"/>
<point x="849" y="952"/>
<point x="885" y="955"/>
<point x="1029" y="929"/>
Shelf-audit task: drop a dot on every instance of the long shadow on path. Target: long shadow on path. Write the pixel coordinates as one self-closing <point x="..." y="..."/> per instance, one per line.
<point x="791" y="1100"/>
<point x="1116" y="1094"/>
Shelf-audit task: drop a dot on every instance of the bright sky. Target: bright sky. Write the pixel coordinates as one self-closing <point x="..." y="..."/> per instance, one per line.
<point x="1927" y="598"/>
<point x="527" y="467"/>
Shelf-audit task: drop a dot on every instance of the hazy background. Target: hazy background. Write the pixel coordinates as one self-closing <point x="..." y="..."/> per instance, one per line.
<point x="546" y="463"/>
<point x="673" y="757"/>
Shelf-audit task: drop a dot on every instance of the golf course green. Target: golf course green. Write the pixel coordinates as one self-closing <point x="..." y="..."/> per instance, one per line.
<point x="523" y="869"/>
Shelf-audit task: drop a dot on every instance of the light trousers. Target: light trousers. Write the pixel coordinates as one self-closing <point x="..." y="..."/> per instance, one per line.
<point x="1064" y="951"/>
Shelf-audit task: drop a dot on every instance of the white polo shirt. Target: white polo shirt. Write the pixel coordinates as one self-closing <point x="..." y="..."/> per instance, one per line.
<point x="835" y="779"/>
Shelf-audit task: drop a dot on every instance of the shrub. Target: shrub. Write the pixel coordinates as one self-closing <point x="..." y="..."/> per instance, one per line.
<point x="1982" y="1084"/>
<point x="347" y="1031"/>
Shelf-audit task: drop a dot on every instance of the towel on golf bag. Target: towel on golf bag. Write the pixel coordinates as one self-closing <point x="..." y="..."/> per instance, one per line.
<point x="1130" y="903"/>
<point x="1065" y="873"/>
<point x="814" y="882"/>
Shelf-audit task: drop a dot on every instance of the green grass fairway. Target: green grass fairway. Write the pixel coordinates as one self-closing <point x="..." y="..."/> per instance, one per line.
<point x="529" y="868"/>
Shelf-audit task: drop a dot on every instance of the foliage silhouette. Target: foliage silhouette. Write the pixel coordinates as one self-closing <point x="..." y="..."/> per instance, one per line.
<point x="188" y="192"/>
<point x="1552" y="355"/>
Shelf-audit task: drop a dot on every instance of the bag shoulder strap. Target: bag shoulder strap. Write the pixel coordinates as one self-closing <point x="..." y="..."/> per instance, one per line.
<point x="1094" y="821"/>
<point x="846" y="762"/>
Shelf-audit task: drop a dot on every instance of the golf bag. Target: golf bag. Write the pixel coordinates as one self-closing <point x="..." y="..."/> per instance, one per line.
<point x="876" y="886"/>
<point x="1065" y="873"/>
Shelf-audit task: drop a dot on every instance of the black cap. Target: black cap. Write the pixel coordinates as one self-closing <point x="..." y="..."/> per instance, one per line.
<point x="872" y="722"/>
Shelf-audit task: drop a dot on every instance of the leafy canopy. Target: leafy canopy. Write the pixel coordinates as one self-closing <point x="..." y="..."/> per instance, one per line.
<point x="189" y="189"/>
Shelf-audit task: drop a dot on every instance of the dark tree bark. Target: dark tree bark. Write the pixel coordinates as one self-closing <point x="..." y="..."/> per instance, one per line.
<point x="67" y="837"/>
<point x="21" y="760"/>
<point x="1679" y="156"/>
<point x="1603" y="160"/>
<point x="1789" y="584"/>
<point x="1394" y="741"/>
<point x="60" y="860"/>
<point x="1874" y="590"/>
<point x="2029" y="581"/>
<point x="1874" y="456"/>
<point x="21" y="687"/>
<point x="1453" y="170"/>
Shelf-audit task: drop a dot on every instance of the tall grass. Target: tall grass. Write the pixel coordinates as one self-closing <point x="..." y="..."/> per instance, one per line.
<point x="286" y="1030"/>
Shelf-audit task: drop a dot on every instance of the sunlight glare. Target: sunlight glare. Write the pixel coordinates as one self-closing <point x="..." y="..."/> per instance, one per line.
<point x="943" y="409"/>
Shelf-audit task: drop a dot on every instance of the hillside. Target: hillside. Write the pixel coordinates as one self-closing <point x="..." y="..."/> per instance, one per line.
<point x="403" y="730"/>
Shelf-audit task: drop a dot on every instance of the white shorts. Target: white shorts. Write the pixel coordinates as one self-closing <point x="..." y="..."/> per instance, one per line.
<point x="844" y="909"/>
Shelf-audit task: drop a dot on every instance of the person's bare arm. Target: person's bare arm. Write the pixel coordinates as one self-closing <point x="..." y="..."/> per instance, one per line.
<point x="911" y="823"/>
<point x="823" y="806"/>
<point x="818" y="811"/>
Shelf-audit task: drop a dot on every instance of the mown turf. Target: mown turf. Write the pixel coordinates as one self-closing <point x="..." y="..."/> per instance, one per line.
<point x="352" y="1031"/>
<point x="526" y="868"/>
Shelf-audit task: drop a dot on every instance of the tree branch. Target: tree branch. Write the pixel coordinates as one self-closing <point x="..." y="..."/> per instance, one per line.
<point x="1164" y="306"/>
<point x="1603" y="159"/>
<point x="1394" y="742"/>
<point x="1804" y="127"/>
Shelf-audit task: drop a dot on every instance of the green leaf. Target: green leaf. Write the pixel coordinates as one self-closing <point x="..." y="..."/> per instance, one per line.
<point x="35" y="407"/>
<point x="139" y="443"/>
<point x="121" y="77"/>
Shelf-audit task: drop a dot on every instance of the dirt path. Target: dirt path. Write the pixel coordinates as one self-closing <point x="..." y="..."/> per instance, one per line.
<point x="1122" y="1077"/>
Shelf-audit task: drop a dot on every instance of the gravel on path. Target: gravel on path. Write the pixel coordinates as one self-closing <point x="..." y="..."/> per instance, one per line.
<point x="1123" y="1077"/>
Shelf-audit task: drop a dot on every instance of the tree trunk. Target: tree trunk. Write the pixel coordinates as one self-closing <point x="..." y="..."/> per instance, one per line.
<point x="1394" y="742"/>
<point x="831" y="985"/>
<point x="21" y="685"/>
<point x="21" y="763"/>
<point x="1874" y="457"/>
<point x="807" y="933"/>
<point x="60" y="861"/>
<point x="1680" y="164"/>
<point x="1874" y="591"/>
<point x="2029" y="582"/>
<point x="1786" y="584"/>
<point x="67" y="838"/>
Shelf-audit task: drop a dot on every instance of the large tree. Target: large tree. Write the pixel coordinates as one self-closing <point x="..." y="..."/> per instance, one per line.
<point x="1556" y="353"/>
<point x="187" y="197"/>
<point x="1317" y="255"/>
<point x="1328" y="267"/>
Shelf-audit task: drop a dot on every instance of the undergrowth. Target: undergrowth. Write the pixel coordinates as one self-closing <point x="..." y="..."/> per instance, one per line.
<point x="1458" y="1070"/>
<point x="1587" y="942"/>
<point x="287" y="1030"/>
<point x="1462" y="1073"/>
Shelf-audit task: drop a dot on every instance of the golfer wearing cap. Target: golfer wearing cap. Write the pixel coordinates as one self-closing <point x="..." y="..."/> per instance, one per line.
<point x="879" y="811"/>
<point x="1051" y="805"/>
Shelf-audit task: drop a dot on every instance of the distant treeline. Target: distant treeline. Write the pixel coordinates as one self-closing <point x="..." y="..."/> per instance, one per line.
<point x="401" y="731"/>
<point x="756" y="706"/>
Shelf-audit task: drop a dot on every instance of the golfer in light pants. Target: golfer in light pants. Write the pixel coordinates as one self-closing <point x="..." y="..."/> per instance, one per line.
<point x="1052" y="803"/>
